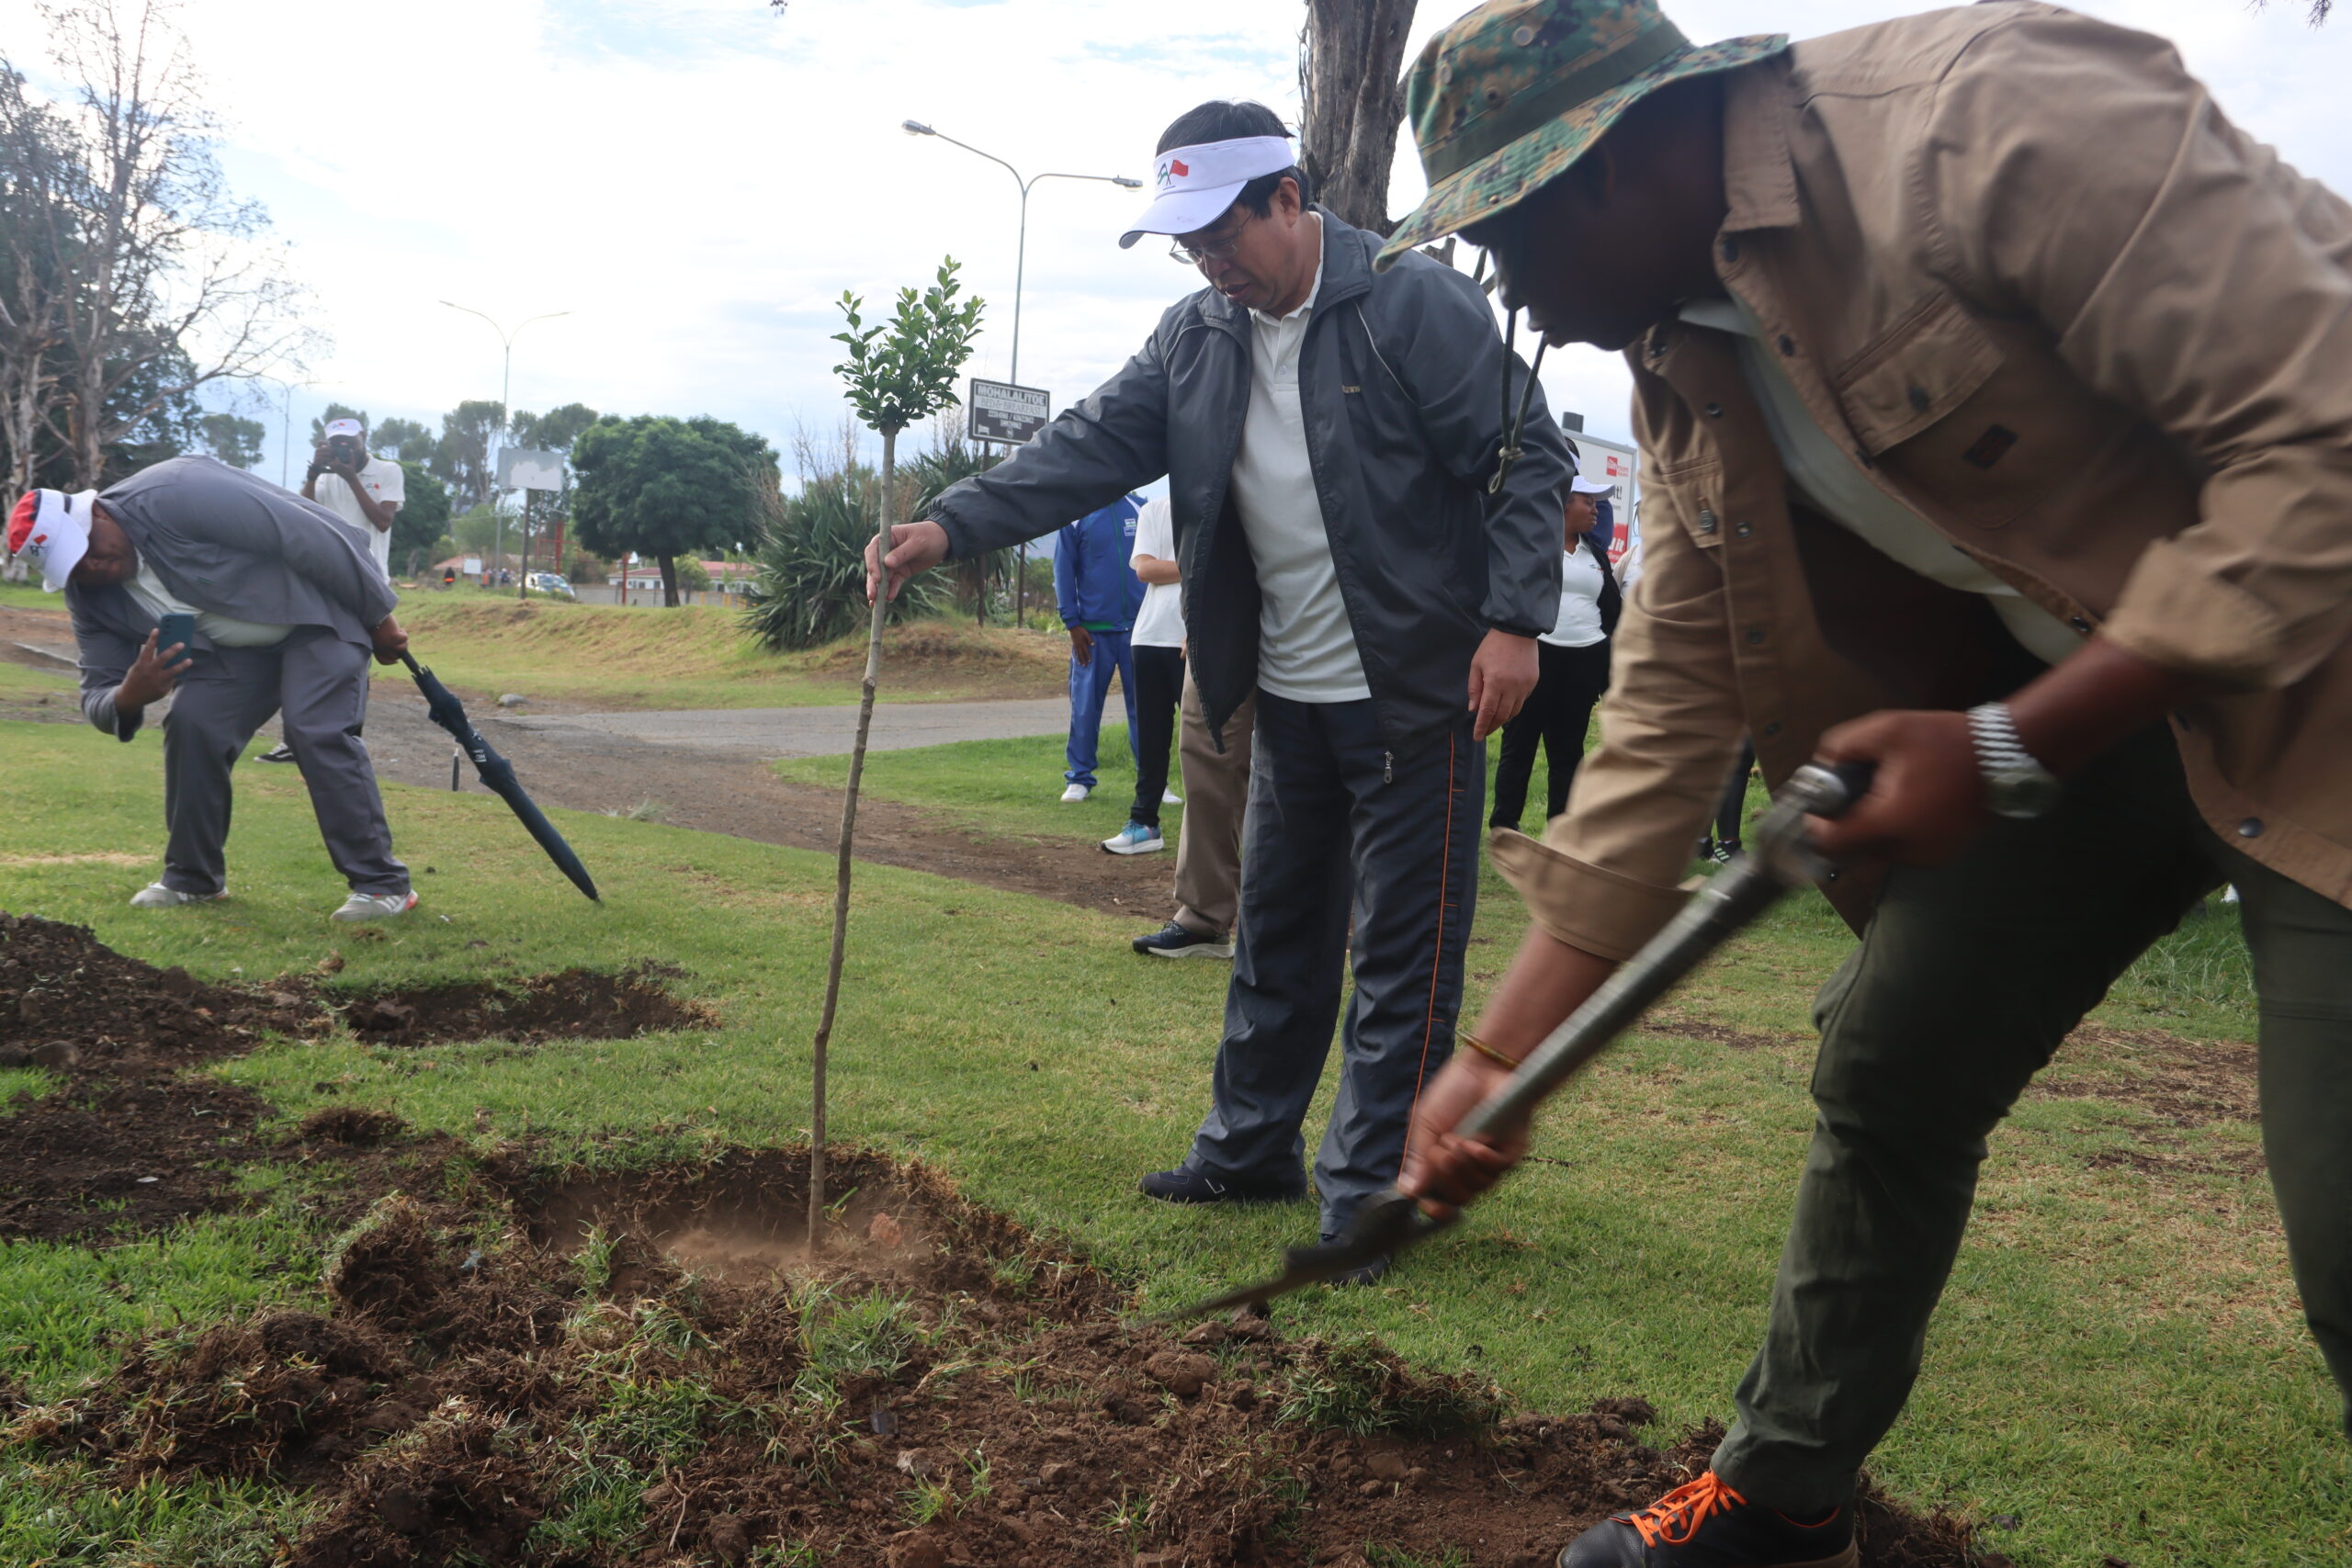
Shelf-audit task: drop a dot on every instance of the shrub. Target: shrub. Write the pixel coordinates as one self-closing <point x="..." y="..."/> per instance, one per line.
<point x="811" y="587"/>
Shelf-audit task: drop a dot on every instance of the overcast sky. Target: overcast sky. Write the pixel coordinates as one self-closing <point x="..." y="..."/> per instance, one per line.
<point x="697" y="181"/>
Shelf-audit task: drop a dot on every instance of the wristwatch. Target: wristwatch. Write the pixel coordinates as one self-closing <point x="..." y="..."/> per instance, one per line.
<point x="2014" y="785"/>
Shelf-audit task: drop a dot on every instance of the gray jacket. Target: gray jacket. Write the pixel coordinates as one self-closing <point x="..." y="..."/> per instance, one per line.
<point x="1400" y="385"/>
<point x="228" y="543"/>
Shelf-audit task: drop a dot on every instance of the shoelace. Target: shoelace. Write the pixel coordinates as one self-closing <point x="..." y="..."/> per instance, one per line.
<point x="1684" y="1509"/>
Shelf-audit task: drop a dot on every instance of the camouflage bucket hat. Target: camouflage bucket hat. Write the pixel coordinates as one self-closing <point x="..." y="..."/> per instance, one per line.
<point x="1509" y="96"/>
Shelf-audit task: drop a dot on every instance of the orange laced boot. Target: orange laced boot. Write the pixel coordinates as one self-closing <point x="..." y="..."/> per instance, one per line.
<point x="1707" y="1524"/>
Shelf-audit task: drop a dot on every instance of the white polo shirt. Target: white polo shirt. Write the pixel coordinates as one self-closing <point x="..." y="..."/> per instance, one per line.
<point x="386" y="483"/>
<point x="1161" y="622"/>
<point x="1306" y="650"/>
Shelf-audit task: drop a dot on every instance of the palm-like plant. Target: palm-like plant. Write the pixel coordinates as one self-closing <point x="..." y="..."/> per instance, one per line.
<point x="810" y="586"/>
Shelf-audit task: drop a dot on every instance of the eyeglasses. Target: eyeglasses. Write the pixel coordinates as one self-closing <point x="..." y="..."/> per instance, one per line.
<point x="1215" y="250"/>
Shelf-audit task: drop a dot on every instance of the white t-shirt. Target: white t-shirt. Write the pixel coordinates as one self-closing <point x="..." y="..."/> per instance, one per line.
<point x="386" y="483"/>
<point x="1825" y="474"/>
<point x="1306" y="650"/>
<point x="1161" y="622"/>
<point x="226" y="631"/>
<point x="1578" y="623"/>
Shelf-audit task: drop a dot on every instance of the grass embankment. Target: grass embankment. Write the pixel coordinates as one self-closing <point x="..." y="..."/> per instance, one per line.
<point x="700" y="657"/>
<point x="2117" y="1363"/>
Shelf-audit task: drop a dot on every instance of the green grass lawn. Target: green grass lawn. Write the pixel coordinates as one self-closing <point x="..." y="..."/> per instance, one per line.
<point x="2117" y="1363"/>
<point x="699" y="656"/>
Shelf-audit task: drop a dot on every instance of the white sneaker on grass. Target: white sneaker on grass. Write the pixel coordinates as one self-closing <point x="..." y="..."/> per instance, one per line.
<point x="1169" y="798"/>
<point x="1135" y="839"/>
<point x="374" y="907"/>
<point x="1074" y="794"/>
<point x="155" y="896"/>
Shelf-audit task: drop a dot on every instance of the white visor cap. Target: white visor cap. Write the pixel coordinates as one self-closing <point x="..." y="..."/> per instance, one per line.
<point x="1197" y="183"/>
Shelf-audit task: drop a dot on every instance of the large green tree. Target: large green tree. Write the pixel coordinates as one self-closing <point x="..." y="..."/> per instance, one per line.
<point x="461" y="456"/>
<point x="665" y="488"/>
<point x="404" y="440"/>
<point x="423" y="518"/>
<point x="232" y="438"/>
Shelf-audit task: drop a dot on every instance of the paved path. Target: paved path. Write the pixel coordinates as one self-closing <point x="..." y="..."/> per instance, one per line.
<point x="816" y="731"/>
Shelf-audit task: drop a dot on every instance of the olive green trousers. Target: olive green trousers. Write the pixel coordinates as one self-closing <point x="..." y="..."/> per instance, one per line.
<point x="1967" y="979"/>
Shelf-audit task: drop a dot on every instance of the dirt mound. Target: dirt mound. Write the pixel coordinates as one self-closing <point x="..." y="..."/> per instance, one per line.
<point x="59" y="985"/>
<point x="541" y="1378"/>
<point x="130" y="1142"/>
<point x="578" y="1004"/>
<point x="126" y="1145"/>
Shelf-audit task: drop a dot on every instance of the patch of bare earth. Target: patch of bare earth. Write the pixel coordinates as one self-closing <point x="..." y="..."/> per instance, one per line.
<point x="649" y="1368"/>
<point x="131" y="1141"/>
<point x="2177" y="1084"/>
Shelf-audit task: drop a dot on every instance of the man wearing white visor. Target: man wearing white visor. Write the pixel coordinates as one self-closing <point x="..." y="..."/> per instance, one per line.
<point x="272" y="607"/>
<point x="1369" y="548"/>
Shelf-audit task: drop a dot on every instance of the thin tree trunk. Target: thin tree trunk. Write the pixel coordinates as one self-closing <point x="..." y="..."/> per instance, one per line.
<point x="849" y="835"/>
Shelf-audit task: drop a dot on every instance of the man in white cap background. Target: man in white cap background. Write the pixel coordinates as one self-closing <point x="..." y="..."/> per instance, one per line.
<point x="285" y="609"/>
<point x="362" y="490"/>
<point x="1367" y="548"/>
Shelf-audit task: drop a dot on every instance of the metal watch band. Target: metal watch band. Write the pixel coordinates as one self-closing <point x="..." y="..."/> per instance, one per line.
<point x="2016" y="782"/>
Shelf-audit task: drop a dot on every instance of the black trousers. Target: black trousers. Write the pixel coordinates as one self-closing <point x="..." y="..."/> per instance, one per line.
<point x="1343" y="837"/>
<point x="1160" y="688"/>
<point x="1557" y="713"/>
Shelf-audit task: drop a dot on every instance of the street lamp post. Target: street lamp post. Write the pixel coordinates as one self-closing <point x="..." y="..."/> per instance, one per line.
<point x="505" y="389"/>
<point x="285" y="428"/>
<point x="1020" y="272"/>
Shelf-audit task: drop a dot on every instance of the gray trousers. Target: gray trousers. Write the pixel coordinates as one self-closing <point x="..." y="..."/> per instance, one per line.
<point x="1967" y="979"/>
<point x="318" y="683"/>
<point x="1337" y="829"/>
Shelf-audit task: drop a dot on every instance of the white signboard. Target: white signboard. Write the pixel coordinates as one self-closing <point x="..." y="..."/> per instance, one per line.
<point x="473" y="566"/>
<point x="1614" y="466"/>
<point x="520" y="467"/>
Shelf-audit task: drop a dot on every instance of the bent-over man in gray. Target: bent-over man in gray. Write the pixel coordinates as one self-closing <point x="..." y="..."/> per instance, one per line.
<point x="285" y="607"/>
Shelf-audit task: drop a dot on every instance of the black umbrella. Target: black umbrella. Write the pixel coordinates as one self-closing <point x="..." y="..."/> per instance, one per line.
<point x="497" y="773"/>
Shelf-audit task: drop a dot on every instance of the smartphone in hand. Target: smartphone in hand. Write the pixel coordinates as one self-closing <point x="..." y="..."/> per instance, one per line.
<point x="178" y="626"/>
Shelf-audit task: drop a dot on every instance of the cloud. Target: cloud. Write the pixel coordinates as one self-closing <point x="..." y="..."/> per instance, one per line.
<point x="696" y="182"/>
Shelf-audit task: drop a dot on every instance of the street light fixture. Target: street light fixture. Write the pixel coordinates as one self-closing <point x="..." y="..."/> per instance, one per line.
<point x="1021" y="254"/>
<point x="505" y="385"/>
<point x="1020" y="272"/>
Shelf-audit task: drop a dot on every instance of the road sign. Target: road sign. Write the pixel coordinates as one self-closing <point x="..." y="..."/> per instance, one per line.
<point x="519" y="468"/>
<point x="999" y="411"/>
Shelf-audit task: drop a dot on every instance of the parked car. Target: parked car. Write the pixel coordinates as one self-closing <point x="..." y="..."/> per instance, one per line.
<point x="551" y="586"/>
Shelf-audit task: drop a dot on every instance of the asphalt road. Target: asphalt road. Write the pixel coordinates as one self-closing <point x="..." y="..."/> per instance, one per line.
<point x="812" y="731"/>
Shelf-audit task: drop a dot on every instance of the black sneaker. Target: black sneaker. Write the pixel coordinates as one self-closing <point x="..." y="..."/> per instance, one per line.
<point x="1724" y="850"/>
<point x="281" y="752"/>
<point x="1187" y="1185"/>
<point x="1707" y="1524"/>
<point x="1175" y="940"/>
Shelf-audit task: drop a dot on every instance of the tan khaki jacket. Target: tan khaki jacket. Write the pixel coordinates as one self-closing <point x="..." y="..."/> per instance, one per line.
<point x="2066" y="312"/>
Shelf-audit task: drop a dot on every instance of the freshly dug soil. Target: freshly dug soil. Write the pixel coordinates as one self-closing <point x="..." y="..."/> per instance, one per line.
<point x="127" y="1144"/>
<point x="131" y="1143"/>
<point x="532" y="1378"/>
<point x="578" y="1004"/>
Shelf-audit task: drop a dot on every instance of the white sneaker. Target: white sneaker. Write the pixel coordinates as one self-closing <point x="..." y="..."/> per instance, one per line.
<point x="1169" y="798"/>
<point x="374" y="907"/>
<point x="1135" y="839"/>
<point x="1074" y="794"/>
<point x="155" y="896"/>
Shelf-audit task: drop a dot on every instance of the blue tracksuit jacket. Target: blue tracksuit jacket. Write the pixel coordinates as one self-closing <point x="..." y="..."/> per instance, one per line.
<point x="1093" y="583"/>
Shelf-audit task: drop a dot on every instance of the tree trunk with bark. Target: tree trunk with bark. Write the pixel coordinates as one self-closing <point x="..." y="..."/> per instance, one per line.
<point x="1351" y="63"/>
